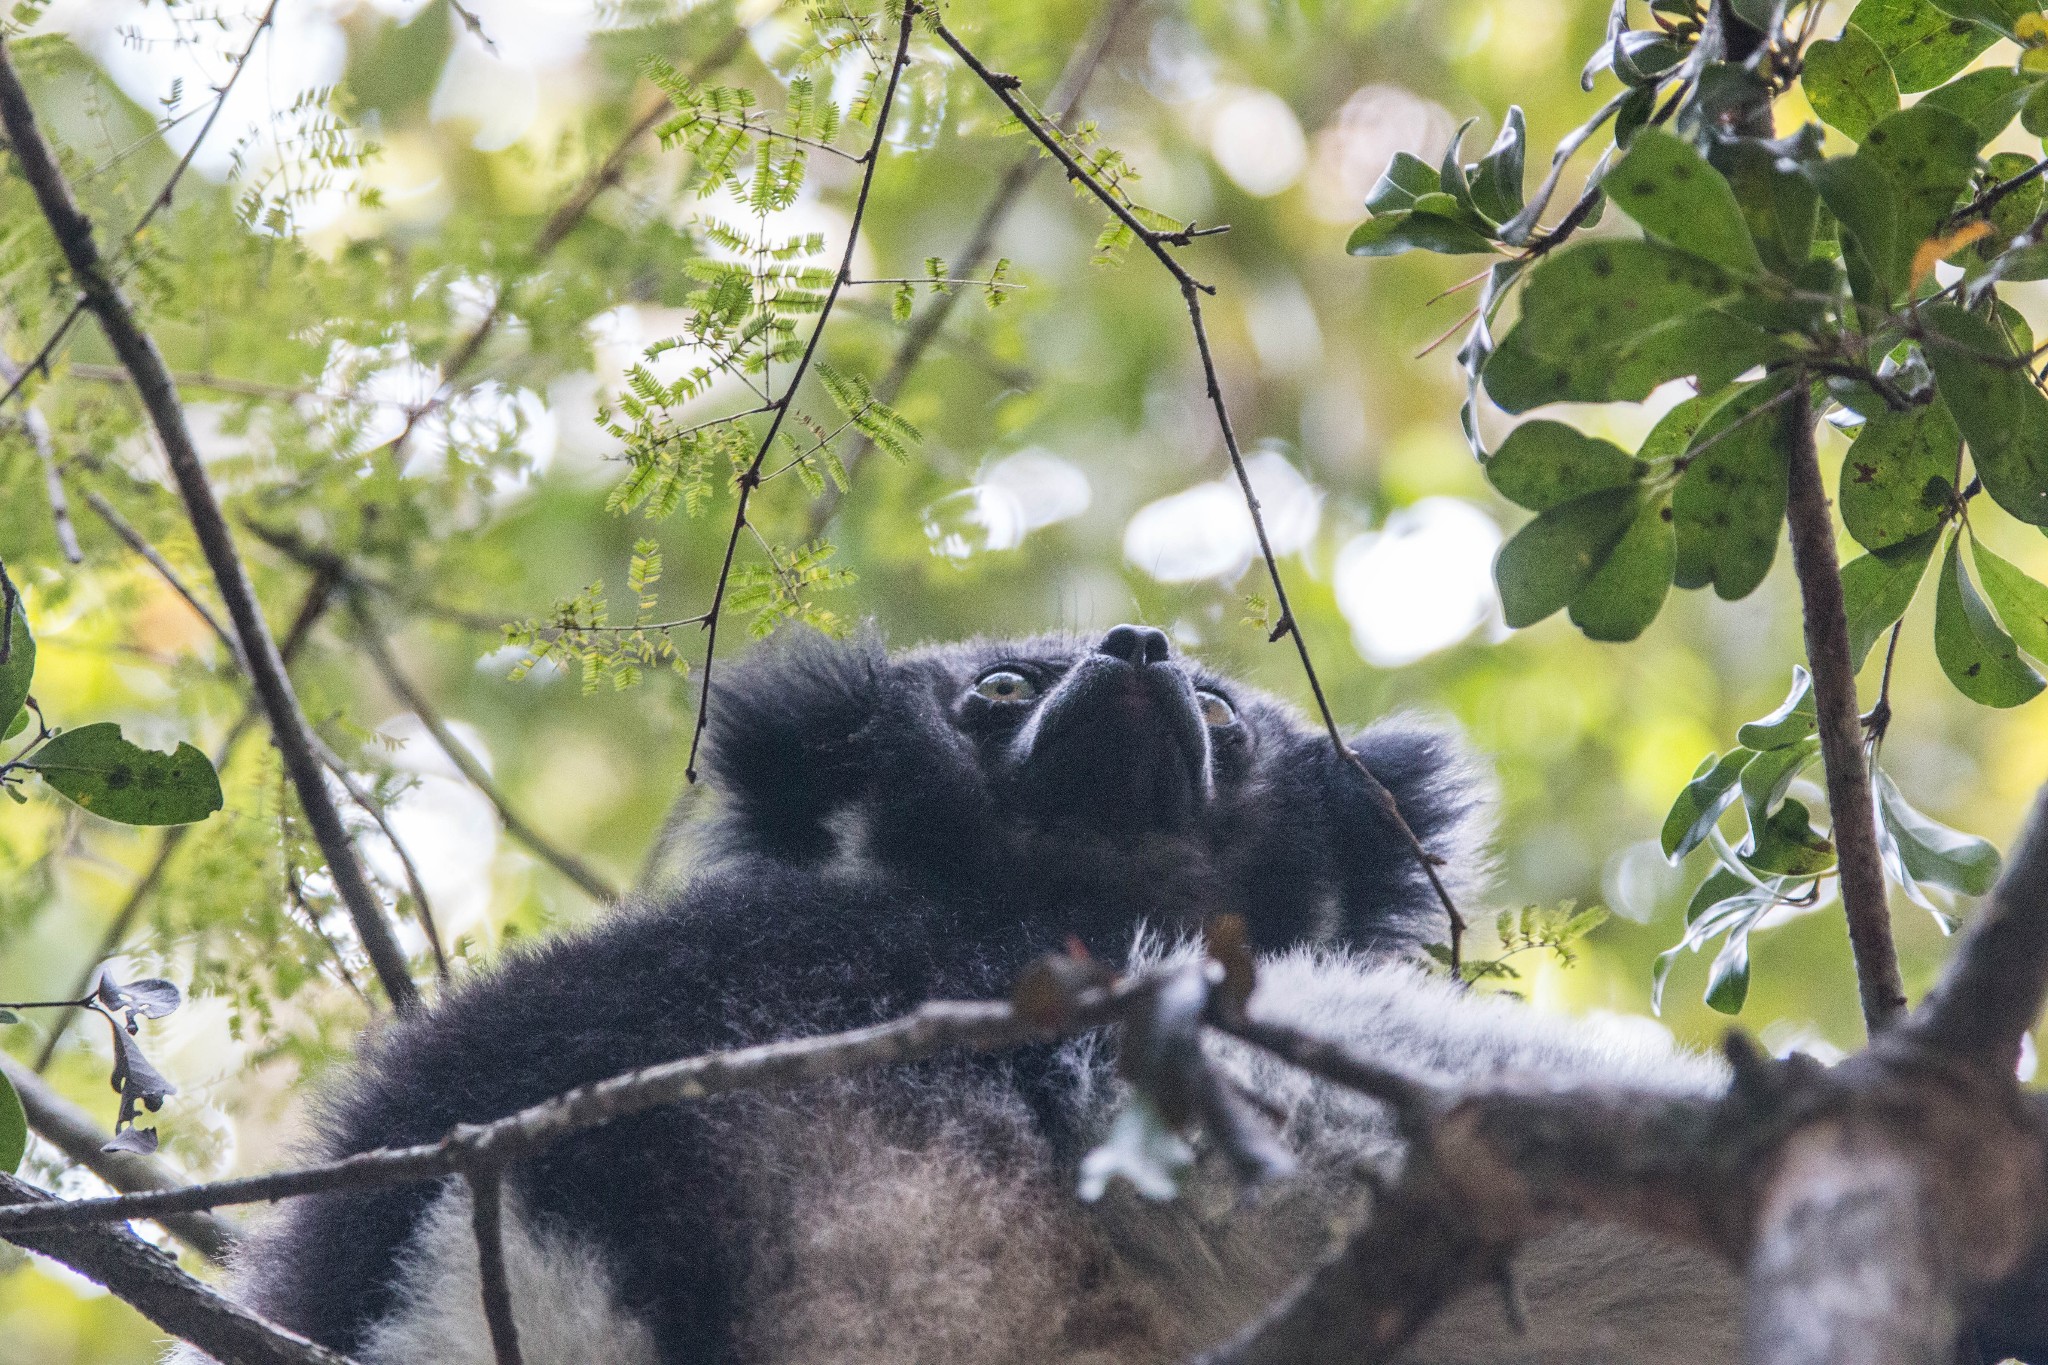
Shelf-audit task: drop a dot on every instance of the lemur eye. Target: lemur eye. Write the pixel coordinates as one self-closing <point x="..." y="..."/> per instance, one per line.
<point x="1003" y="685"/>
<point x="1215" y="710"/>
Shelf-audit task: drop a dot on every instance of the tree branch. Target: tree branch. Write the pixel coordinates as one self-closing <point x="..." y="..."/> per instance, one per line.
<point x="1850" y="807"/>
<point x="568" y="864"/>
<point x="487" y="1207"/>
<point x="750" y="479"/>
<point x="151" y="1282"/>
<point x="930" y="320"/>
<point x="140" y="357"/>
<point x="1156" y="242"/>
<point x="73" y="1132"/>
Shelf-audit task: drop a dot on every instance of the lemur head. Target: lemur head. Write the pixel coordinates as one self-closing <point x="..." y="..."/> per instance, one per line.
<point x="1109" y="769"/>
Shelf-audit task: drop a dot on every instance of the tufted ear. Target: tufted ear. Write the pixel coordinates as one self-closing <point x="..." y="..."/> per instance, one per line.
<point x="783" y="746"/>
<point x="1447" y="797"/>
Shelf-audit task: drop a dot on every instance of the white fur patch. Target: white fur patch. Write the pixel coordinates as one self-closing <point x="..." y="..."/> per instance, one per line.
<point x="562" y="1299"/>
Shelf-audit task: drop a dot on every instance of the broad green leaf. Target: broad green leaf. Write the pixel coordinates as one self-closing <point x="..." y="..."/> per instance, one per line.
<point x="1545" y="564"/>
<point x="18" y="672"/>
<point x="13" y="1128"/>
<point x="1849" y="83"/>
<point x="110" y="777"/>
<point x="1930" y="850"/>
<point x="1723" y="902"/>
<point x="2033" y="118"/>
<point x="1543" y="463"/>
<point x="1451" y="175"/>
<point x="1778" y="204"/>
<point x="1898" y="477"/>
<point x="1390" y="234"/>
<point x="17" y="725"/>
<point x="1788" y="845"/>
<point x="1979" y="658"/>
<point x="1626" y="593"/>
<point x="1924" y="46"/>
<point x="1878" y="587"/>
<point x="1790" y="723"/>
<point x="2002" y="415"/>
<point x="1497" y="184"/>
<point x="1711" y="791"/>
<point x="1675" y="429"/>
<point x="1986" y="100"/>
<point x="1996" y="15"/>
<point x="1406" y="179"/>
<point x="1731" y="501"/>
<point x="1607" y="320"/>
<point x="1728" y="979"/>
<point x="1864" y="201"/>
<point x="1671" y="191"/>
<point x="1767" y="777"/>
<point x="1930" y="155"/>
<point x="2020" y="601"/>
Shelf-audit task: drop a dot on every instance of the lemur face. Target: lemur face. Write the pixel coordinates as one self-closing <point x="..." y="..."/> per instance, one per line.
<point x="1110" y="766"/>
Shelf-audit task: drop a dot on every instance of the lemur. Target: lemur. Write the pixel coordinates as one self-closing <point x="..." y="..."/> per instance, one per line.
<point x="889" y="829"/>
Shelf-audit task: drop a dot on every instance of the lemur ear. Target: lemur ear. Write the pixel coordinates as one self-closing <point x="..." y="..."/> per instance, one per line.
<point x="1447" y="797"/>
<point x="782" y="746"/>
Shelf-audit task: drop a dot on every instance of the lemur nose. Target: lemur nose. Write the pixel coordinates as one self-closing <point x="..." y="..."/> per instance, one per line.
<point x="1135" y="645"/>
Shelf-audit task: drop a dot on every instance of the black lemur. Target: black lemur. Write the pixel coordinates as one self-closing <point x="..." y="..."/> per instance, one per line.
<point x="884" y="830"/>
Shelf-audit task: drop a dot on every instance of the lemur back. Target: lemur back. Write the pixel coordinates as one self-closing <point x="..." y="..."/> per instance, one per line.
<point x="885" y="830"/>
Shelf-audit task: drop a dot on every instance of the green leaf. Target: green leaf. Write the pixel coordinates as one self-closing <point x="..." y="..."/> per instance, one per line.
<point x="1678" y="198"/>
<point x="13" y="1128"/>
<point x="1864" y="201"/>
<point x="1986" y="100"/>
<point x="1390" y="234"/>
<point x="1878" y="587"/>
<point x="1724" y="903"/>
<point x="1788" y="845"/>
<point x="1930" y="850"/>
<point x="2020" y="601"/>
<point x="1699" y="806"/>
<point x="1979" y="658"/>
<point x="1930" y="155"/>
<point x="1768" y="776"/>
<point x="1728" y="979"/>
<point x="1406" y="179"/>
<point x="17" y="725"/>
<point x="1898" y="477"/>
<point x="1497" y="184"/>
<point x="1543" y="463"/>
<point x="2002" y="415"/>
<point x="1626" y="593"/>
<point x="1849" y="83"/>
<point x="1731" y="500"/>
<point x="1790" y="723"/>
<point x="1545" y="564"/>
<point x="1777" y="202"/>
<point x="1996" y="15"/>
<point x="18" y="671"/>
<point x="1611" y="320"/>
<point x="120" y="781"/>
<point x="1924" y="46"/>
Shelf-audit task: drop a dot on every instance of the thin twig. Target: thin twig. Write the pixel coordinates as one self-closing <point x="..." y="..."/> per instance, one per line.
<point x="750" y="479"/>
<point x="37" y="427"/>
<point x="37" y="163"/>
<point x="198" y="379"/>
<point x="487" y="1209"/>
<point x="150" y="555"/>
<point x="1005" y="87"/>
<point x="930" y="321"/>
<point x="575" y="869"/>
<point x="156" y="205"/>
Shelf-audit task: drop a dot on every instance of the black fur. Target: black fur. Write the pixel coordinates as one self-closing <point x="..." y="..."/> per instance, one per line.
<point x="883" y="834"/>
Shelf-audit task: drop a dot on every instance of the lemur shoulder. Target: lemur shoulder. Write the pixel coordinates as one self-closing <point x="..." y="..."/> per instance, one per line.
<point x="888" y="829"/>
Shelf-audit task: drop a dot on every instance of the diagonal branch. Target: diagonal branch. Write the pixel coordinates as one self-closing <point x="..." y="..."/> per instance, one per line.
<point x="1157" y="244"/>
<point x="587" y="879"/>
<point x="139" y="355"/>
<point x="930" y="321"/>
<point x="151" y="1282"/>
<point x="487" y="1211"/>
<point x="750" y="478"/>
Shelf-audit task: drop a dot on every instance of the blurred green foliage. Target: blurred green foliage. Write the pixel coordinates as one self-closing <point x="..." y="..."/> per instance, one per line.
<point x="381" y="177"/>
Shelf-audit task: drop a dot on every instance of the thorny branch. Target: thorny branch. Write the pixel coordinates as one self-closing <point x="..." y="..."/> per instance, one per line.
<point x="1156" y="242"/>
<point x="750" y="479"/>
<point x="139" y="356"/>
